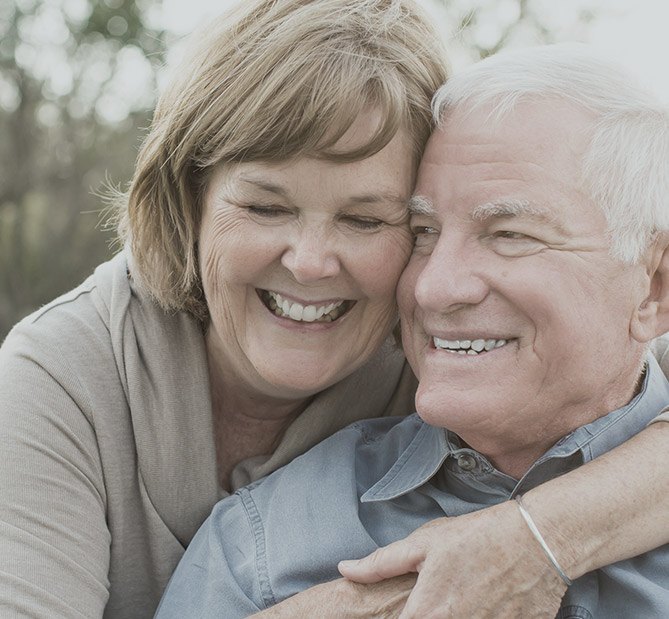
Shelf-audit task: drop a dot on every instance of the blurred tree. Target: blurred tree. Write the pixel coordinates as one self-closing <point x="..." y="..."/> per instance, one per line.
<point x="483" y="27"/>
<point x="77" y="83"/>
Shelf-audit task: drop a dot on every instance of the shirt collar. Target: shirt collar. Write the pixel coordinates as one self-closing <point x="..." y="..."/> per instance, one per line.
<point x="416" y="464"/>
<point x="431" y="445"/>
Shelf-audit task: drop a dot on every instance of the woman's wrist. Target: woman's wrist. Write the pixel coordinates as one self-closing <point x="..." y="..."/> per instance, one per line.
<point x="559" y="524"/>
<point x="529" y="521"/>
<point x="608" y="510"/>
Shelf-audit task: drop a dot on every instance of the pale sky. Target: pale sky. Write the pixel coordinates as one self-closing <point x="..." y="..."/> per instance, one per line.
<point x="638" y="37"/>
<point x="634" y="32"/>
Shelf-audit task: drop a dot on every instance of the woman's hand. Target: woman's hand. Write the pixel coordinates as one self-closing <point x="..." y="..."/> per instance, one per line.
<point x="483" y="564"/>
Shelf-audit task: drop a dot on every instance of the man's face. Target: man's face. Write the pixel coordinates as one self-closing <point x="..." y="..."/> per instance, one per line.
<point x="515" y="317"/>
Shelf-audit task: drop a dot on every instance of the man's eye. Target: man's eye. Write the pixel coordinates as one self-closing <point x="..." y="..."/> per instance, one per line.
<point x="423" y="230"/>
<point x="363" y="223"/>
<point x="513" y="236"/>
<point x="511" y="243"/>
<point x="424" y="236"/>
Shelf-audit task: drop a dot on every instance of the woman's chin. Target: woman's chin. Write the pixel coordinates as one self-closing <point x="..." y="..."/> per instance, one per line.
<point x="302" y="382"/>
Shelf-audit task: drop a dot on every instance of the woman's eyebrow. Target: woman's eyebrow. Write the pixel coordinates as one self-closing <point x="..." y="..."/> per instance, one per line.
<point x="265" y="185"/>
<point x="381" y="197"/>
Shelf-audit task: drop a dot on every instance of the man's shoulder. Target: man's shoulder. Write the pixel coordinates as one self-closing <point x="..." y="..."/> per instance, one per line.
<point x="320" y="490"/>
<point x="373" y="444"/>
<point x="304" y="518"/>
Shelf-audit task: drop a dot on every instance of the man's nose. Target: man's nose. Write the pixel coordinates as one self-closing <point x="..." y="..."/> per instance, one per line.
<point x="311" y="255"/>
<point x="452" y="278"/>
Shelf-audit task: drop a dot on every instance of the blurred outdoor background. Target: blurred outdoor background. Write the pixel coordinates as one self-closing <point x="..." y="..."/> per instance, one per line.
<point x="79" y="78"/>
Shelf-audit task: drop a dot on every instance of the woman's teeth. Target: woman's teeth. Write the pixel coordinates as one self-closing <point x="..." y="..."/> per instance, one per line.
<point x="467" y="347"/>
<point x="303" y="313"/>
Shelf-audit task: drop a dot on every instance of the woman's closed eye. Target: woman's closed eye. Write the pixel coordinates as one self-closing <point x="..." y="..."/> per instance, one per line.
<point x="364" y="224"/>
<point x="267" y="211"/>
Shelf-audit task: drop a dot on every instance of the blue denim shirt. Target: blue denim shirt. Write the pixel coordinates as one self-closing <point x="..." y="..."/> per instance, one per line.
<point x="375" y="482"/>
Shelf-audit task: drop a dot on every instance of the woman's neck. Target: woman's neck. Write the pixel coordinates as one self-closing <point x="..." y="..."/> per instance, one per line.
<point x="246" y="422"/>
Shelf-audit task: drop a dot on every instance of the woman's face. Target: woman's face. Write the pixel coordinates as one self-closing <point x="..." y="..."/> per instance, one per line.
<point x="299" y="261"/>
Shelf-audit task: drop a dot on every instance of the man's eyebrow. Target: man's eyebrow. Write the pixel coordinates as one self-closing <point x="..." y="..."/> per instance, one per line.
<point x="420" y="205"/>
<point x="508" y="209"/>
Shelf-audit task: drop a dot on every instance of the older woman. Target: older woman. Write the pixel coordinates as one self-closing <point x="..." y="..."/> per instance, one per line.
<point x="246" y="320"/>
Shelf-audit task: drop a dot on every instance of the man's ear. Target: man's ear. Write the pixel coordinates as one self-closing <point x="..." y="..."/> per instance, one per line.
<point x="652" y="316"/>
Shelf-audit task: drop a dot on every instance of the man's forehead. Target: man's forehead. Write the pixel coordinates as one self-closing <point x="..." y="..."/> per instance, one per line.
<point x="542" y="113"/>
<point x="470" y="134"/>
<point x="484" y="169"/>
<point x="463" y="148"/>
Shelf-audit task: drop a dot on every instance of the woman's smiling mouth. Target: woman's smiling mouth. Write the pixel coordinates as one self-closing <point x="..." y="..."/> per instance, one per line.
<point x="287" y="308"/>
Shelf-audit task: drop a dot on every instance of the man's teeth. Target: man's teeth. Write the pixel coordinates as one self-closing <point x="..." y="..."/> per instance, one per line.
<point x="304" y="313"/>
<point x="467" y="347"/>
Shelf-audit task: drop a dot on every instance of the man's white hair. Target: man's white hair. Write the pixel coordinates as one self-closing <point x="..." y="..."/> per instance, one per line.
<point x="625" y="168"/>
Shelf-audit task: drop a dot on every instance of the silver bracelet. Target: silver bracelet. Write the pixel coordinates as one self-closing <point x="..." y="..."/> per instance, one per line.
<point x="542" y="542"/>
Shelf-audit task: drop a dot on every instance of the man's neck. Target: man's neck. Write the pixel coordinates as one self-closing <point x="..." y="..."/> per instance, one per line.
<point x="515" y="455"/>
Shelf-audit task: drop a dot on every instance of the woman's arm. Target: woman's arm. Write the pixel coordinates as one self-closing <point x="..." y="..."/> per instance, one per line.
<point x="344" y="599"/>
<point x="54" y="541"/>
<point x="610" y="509"/>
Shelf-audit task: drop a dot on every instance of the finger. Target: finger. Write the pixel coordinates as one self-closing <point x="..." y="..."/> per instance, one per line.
<point x="394" y="560"/>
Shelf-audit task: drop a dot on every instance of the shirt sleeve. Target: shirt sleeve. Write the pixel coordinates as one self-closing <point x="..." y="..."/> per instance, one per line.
<point x="219" y="574"/>
<point x="54" y="541"/>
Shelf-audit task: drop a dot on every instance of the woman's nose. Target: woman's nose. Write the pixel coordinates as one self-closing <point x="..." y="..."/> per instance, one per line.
<point x="311" y="256"/>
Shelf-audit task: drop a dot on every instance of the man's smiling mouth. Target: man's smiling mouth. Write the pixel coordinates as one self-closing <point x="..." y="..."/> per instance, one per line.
<point x="468" y="347"/>
<point x="287" y="308"/>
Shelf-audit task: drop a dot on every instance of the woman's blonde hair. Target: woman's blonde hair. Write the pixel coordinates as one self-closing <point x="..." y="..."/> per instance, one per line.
<point x="272" y="80"/>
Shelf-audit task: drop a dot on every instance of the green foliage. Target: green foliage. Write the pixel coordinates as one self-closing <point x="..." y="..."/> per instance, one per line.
<point x="67" y="125"/>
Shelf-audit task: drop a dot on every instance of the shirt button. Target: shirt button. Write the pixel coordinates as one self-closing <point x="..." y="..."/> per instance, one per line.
<point x="466" y="462"/>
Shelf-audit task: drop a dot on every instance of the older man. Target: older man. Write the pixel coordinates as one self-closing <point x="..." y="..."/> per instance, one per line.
<point x="540" y="274"/>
